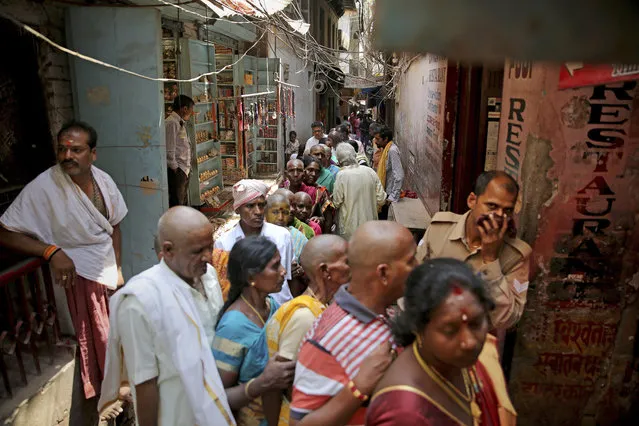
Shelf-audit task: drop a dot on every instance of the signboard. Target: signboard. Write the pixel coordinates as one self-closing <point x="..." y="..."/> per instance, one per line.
<point x="574" y="153"/>
<point x="492" y="133"/>
<point x="578" y="74"/>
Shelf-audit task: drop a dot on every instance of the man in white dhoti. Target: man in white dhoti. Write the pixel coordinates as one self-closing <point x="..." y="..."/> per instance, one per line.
<point x="70" y="215"/>
<point x="158" y="342"/>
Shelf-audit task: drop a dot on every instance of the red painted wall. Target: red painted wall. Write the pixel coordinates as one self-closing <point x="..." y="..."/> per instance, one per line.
<point x="576" y="155"/>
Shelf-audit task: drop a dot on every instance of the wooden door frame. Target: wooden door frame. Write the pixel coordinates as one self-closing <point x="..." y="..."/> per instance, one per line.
<point x="470" y="148"/>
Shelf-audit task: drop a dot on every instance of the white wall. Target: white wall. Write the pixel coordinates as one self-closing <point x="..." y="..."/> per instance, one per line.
<point x="419" y="127"/>
<point x="297" y="75"/>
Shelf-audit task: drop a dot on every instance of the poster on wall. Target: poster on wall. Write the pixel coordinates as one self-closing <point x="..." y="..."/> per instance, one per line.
<point x="429" y="155"/>
<point x="492" y="133"/>
<point x="578" y="74"/>
<point x="522" y="94"/>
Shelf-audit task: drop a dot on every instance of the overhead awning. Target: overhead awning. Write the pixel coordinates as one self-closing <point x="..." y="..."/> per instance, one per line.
<point x="256" y="8"/>
<point x="371" y="90"/>
<point x="231" y="10"/>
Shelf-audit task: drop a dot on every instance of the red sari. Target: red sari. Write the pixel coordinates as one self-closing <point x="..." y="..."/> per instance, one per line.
<point x="409" y="406"/>
<point x="406" y="405"/>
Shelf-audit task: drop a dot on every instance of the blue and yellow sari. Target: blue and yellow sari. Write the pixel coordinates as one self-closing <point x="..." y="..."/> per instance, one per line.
<point x="240" y="347"/>
<point x="299" y="242"/>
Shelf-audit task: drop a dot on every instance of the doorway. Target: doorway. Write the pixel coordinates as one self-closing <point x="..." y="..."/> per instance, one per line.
<point x="25" y="137"/>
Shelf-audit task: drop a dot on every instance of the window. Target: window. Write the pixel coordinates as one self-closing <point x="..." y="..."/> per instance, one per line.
<point x="305" y="8"/>
<point x="296" y="7"/>
<point x="322" y="27"/>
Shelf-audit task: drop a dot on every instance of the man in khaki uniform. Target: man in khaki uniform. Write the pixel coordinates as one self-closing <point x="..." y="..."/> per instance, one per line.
<point x="502" y="260"/>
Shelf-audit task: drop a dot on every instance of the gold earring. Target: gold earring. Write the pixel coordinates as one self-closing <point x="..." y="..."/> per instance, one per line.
<point x="418" y="338"/>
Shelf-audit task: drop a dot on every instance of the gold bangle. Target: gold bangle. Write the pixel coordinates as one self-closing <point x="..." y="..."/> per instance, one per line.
<point x="246" y="388"/>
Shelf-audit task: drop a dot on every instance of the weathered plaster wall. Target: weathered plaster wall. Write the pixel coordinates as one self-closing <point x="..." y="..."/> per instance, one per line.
<point x="127" y="112"/>
<point x="54" y="73"/>
<point x="419" y="127"/>
<point x="576" y="154"/>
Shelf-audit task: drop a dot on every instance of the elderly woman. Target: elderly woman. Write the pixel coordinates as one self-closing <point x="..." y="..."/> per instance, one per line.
<point x="240" y="348"/>
<point x="441" y="378"/>
<point x="358" y="192"/>
<point x="323" y="208"/>
<point x="326" y="265"/>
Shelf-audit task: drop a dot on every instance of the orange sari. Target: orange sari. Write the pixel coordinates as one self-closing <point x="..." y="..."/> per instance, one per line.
<point x="220" y="262"/>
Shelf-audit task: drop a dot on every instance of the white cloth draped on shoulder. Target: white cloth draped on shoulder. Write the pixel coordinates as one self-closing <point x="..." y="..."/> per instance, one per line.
<point x="173" y="315"/>
<point x="54" y="210"/>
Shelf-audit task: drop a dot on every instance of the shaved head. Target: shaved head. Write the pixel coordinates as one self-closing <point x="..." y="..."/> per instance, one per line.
<point x="303" y="197"/>
<point x="377" y="242"/>
<point x="278" y="209"/>
<point x="186" y="239"/>
<point x="381" y="254"/>
<point x="276" y="198"/>
<point x="302" y="206"/>
<point x="325" y="262"/>
<point x="293" y="162"/>
<point x="321" y="249"/>
<point x="295" y="171"/>
<point x="328" y="153"/>
<point x="287" y="192"/>
<point x="176" y="224"/>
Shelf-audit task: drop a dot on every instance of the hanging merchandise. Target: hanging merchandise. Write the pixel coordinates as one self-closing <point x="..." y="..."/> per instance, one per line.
<point x="240" y="125"/>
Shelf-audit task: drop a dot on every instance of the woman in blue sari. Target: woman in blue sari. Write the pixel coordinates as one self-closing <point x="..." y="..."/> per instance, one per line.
<point x="240" y="349"/>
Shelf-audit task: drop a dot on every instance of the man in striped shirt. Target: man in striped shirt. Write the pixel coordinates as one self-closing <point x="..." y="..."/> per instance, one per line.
<point x="350" y="346"/>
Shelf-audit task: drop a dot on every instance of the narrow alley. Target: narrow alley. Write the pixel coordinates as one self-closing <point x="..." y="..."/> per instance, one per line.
<point x="319" y="212"/>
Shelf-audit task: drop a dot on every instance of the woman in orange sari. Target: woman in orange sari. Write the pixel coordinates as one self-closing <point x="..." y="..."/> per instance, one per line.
<point x="220" y="261"/>
<point x="439" y="379"/>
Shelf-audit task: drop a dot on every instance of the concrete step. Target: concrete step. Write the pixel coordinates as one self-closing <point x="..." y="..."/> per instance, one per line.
<point x="46" y="399"/>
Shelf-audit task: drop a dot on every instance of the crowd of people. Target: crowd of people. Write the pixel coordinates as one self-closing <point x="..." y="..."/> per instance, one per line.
<point x="310" y="311"/>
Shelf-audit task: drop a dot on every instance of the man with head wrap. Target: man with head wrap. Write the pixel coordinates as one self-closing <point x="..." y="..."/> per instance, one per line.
<point x="249" y="201"/>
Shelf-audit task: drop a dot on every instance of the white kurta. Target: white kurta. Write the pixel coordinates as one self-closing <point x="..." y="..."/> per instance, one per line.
<point x="54" y="210"/>
<point x="282" y="239"/>
<point x="357" y="194"/>
<point x="156" y="332"/>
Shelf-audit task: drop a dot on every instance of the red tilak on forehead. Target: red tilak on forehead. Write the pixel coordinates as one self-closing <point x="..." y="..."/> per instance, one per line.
<point x="457" y="290"/>
<point x="68" y="142"/>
